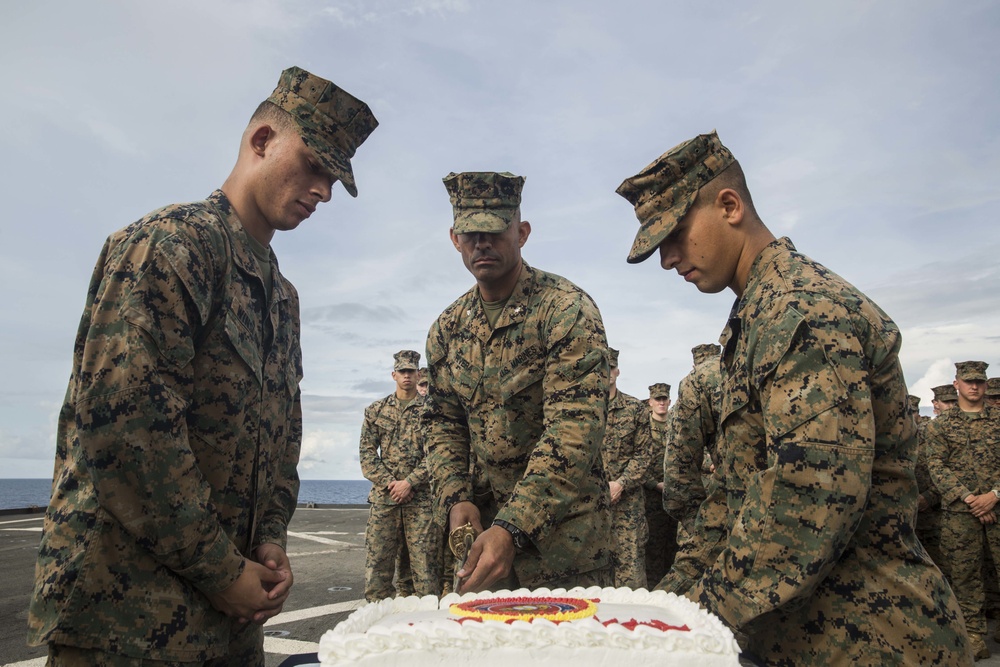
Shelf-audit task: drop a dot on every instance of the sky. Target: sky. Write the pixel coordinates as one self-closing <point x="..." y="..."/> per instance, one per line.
<point x="868" y="132"/>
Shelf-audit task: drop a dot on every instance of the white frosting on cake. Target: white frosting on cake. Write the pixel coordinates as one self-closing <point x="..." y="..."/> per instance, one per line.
<point x="420" y="632"/>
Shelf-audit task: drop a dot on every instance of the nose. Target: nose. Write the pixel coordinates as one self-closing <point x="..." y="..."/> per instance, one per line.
<point x="484" y="240"/>
<point x="324" y="188"/>
<point x="668" y="255"/>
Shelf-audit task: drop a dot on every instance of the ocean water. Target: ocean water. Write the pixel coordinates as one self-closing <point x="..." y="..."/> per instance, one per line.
<point x="24" y="493"/>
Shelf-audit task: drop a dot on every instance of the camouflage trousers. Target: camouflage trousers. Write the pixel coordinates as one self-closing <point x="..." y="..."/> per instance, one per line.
<point x="389" y="526"/>
<point x="246" y="649"/>
<point x="964" y="543"/>
<point x="662" y="544"/>
<point x="629" y="533"/>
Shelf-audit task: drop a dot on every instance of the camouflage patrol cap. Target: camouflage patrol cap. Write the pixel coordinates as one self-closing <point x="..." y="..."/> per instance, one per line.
<point x="483" y="201"/>
<point x="665" y="190"/>
<point x="406" y="360"/>
<point x="971" y="371"/>
<point x="705" y="351"/>
<point x="659" y="390"/>
<point x="914" y="402"/>
<point x="945" y="392"/>
<point x="613" y="357"/>
<point x="332" y="122"/>
<point x="423" y="375"/>
<point x="993" y="387"/>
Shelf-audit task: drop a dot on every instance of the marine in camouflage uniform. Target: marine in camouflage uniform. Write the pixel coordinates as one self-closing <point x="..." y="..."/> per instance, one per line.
<point x="402" y="509"/>
<point x="945" y="398"/>
<point x="626" y="452"/>
<point x="175" y="472"/>
<point x="963" y="457"/>
<point x="661" y="547"/>
<point x="693" y="429"/>
<point x="519" y="381"/>
<point x="817" y="449"/>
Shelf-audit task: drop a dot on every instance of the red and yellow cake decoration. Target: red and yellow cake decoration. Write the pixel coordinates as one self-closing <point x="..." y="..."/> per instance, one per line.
<point x="525" y="609"/>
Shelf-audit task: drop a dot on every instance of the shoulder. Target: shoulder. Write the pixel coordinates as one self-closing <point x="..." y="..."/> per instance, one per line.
<point x="564" y="308"/>
<point x="190" y="237"/>
<point x="447" y="324"/>
<point x="375" y="408"/>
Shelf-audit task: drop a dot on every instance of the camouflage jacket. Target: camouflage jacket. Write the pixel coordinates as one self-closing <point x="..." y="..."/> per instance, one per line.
<point x="817" y="450"/>
<point x="963" y="454"/>
<point x="693" y="425"/>
<point x="628" y="442"/>
<point x="392" y="448"/>
<point x="529" y="398"/>
<point x="924" y="484"/>
<point x="654" y="471"/>
<point x="178" y="440"/>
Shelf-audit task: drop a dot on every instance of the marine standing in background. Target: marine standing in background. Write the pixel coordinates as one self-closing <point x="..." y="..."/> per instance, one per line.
<point x="519" y="380"/>
<point x="821" y="565"/>
<point x="392" y="459"/>
<point x="963" y="457"/>
<point x="423" y="378"/>
<point x="662" y="544"/>
<point x="945" y="398"/>
<point x="626" y="452"/>
<point x="686" y="477"/>
<point x="175" y="474"/>
<point x="993" y="392"/>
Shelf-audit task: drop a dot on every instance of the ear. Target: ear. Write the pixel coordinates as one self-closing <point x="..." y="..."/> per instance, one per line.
<point x="260" y="138"/>
<point x="454" y="239"/>
<point x="523" y="232"/>
<point x="730" y="205"/>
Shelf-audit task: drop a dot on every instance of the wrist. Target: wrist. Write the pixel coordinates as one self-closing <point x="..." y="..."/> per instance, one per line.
<point x="521" y="539"/>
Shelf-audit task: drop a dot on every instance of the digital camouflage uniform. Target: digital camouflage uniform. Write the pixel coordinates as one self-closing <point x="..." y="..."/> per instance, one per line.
<point x="626" y="452"/>
<point x="177" y="443"/>
<point x="661" y="546"/>
<point x="817" y="450"/>
<point x="528" y="398"/>
<point x="963" y="457"/>
<point x="392" y="448"/>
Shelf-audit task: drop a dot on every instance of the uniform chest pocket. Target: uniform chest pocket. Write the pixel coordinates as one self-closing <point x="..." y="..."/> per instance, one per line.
<point x="465" y="375"/>
<point x="525" y="369"/>
<point x="244" y="341"/>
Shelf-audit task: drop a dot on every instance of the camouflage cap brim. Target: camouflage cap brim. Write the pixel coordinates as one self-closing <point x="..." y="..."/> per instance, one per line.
<point x="489" y="221"/>
<point x="653" y="230"/>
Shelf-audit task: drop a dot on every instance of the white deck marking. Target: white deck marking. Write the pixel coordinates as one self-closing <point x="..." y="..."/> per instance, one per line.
<point x="313" y="612"/>
<point x="321" y="540"/>
<point x="288" y="646"/>
<point x="4" y="523"/>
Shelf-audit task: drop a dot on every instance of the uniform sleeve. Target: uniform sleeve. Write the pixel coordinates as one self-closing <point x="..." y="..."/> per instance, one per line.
<point x="446" y="427"/>
<point x="273" y="525"/>
<point x="642" y="449"/>
<point x="372" y="466"/>
<point x="683" y="490"/>
<point x="574" y="406"/>
<point x="419" y="476"/>
<point x="131" y="407"/>
<point x="939" y="458"/>
<point x="924" y="484"/>
<point x="802" y="508"/>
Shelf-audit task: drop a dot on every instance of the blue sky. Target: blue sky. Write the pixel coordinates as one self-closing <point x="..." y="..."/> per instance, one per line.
<point x="868" y="132"/>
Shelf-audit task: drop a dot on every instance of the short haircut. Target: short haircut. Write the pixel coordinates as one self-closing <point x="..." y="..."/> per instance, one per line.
<point x="272" y="114"/>
<point x="733" y="178"/>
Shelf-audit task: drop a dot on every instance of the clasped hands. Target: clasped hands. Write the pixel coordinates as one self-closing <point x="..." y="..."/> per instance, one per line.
<point x="982" y="506"/>
<point x="261" y="590"/>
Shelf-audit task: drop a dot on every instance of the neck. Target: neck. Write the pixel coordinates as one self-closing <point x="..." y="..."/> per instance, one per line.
<point x="405" y="394"/>
<point x="501" y="289"/>
<point x="965" y="405"/>
<point x="251" y="218"/>
<point x="613" y="392"/>
<point x="659" y="418"/>
<point x="758" y="238"/>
